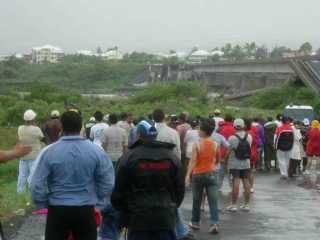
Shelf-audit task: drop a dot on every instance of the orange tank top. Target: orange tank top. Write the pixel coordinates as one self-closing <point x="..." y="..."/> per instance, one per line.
<point x="206" y="157"/>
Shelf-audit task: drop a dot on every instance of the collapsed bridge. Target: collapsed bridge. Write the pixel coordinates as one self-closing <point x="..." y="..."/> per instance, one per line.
<point x="238" y="79"/>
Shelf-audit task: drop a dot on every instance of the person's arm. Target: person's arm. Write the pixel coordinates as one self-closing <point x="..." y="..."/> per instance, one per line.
<point x="18" y="151"/>
<point x="104" y="177"/>
<point x="192" y="163"/>
<point x="178" y="145"/>
<point x="38" y="182"/>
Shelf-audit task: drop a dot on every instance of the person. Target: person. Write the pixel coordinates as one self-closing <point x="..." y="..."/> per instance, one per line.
<point x="269" y="152"/>
<point x="170" y="135"/>
<point x="149" y="187"/>
<point x="114" y="139"/>
<point x="313" y="146"/>
<point x="165" y="133"/>
<point x="192" y="136"/>
<point x="296" y="153"/>
<point x="6" y="155"/>
<point x="304" y="130"/>
<point x="283" y="142"/>
<point x="278" y="120"/>
<point x="126" y="122"/>
<point x="88" y="126"/>
<point x="217" y="119"/>
<point x="97" y="130"/>
<point x="254" y="133"/>
<point x="239" y="165"/>
<point x="257" y="122"/>
<point x="28" y="134"/>
<point x="71" y="176"/>
<point x="223" y="145"/>
<point x="202" y="167"/>
<point x="52" y="128"/>
<point x="182" y="129"/>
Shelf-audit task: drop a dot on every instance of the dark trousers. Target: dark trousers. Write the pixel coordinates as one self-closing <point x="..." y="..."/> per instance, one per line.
<point x="62" y="220"/>
<point x="152" y="235"/>
<point x="1" y="232"/>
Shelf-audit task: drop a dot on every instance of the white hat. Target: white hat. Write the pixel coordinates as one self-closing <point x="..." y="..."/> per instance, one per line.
<point x="106" y="117"/>
<point x="306" y="122"/>
<point x="238" y="123"/>
<point x="92" y="119"/>
<point x="55" y="113"/>
<point x="29" y="115"/>
<point x="217" y="111"/>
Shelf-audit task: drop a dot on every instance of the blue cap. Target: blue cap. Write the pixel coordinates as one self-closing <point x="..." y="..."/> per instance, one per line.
<point x="147" y="129"/>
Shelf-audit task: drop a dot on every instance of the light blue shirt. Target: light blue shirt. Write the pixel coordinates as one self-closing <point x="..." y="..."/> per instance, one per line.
<point x="220" y="140"/>
<point x="72" y="172"/>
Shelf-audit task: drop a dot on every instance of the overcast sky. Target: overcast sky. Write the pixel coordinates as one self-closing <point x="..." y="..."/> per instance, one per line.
<point x="156" y="25"/>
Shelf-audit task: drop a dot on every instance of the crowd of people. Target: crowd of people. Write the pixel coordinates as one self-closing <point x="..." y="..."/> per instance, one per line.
<point x="136" y="170"/>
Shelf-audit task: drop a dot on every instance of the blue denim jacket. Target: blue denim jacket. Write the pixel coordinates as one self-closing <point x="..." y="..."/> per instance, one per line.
<point x="72" y="172"/>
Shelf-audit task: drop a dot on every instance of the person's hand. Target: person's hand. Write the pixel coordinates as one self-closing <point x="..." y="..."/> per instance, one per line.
<point x="21" y="150"/>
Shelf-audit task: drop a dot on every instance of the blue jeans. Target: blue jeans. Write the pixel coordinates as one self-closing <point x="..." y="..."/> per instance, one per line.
<point x="110" y="226"/>
<point x="181" y="228"/>
<point x="208" y="182"/>
<point x="25" y="168"/>
<point x="152" y="235"/>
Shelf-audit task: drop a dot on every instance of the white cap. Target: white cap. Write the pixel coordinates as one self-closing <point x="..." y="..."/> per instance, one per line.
<point x="217" y="111"/>
<point x="106" y="118"/>
<point x="306" y="122"/>
<point x="55" y="113"/>
<point x="92" y="119"/>
<point x="238" y="123"/>
<point x="29" y="115"/>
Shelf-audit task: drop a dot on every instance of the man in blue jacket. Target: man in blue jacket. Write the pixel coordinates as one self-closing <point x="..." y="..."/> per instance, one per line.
<point x="70" y="178"/>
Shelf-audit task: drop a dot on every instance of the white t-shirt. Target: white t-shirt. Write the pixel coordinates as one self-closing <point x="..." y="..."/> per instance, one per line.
<point x="96" y="132"/>
<point x="31" y="135"/>
<point x="192" y="136"/>
<point x="217" y="120"/>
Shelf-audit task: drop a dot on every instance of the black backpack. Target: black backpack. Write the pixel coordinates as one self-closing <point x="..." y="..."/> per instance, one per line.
<point x="285" y="141"/>
<point x="243" y="151"/>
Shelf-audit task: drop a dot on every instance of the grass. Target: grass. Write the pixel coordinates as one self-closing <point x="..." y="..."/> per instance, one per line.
<point x="10" y="201"/>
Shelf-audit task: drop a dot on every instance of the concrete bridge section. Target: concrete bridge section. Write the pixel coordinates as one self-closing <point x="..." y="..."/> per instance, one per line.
<point x="241" y="78"/>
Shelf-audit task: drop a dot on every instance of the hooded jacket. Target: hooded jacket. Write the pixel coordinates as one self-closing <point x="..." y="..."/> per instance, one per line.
<point x="149" y="186"/>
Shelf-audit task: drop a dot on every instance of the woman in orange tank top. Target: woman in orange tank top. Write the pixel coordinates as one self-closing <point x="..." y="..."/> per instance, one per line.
<point x="205" y="157"/>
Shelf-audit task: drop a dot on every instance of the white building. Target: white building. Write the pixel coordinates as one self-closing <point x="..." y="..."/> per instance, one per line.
<point x="47" y="54"/>
<point x="199" y="56"/>
<point x="112" y="54"/>
<point x="85" y="53"/>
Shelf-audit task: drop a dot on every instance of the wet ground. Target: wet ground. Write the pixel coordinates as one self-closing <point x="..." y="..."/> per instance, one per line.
<point x="280" y="210"/>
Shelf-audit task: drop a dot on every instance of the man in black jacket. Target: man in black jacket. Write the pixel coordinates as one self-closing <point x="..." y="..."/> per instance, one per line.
<point x="149" y="187"/>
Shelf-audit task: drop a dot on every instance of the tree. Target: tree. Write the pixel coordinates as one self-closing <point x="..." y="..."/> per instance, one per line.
<point x="261" y="53"/>
<point x="227" y="50"/>
<point x="306" y="48"/>
<point x="250" y="49"/>
<point x="278" y="52"/>
<point x="237" y="53"/>
<point x="99" y="50"/>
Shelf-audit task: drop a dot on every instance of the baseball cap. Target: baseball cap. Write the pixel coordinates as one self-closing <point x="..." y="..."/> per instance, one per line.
<point x="218" y="111"/>
<point x="147" y="129"/>
<point x="55" y="113"/>
<point x="92" y="119"/>
<point x="238" y="123"/>
<point x="29" y="115"/>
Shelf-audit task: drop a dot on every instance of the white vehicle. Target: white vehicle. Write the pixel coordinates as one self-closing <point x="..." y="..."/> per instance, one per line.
<point x="299" y="112"/>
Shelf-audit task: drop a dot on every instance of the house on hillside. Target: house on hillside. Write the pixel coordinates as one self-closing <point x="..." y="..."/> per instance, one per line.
<point x="46" y="54"/>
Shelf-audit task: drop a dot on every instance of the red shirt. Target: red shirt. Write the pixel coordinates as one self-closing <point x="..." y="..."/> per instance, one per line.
<point x="313" y="144"/>
<point x="226" y="129"/>
<point x="254" y="132"/>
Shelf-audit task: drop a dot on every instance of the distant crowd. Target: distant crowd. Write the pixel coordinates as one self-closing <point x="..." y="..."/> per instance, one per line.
<point x="127" y="176"/>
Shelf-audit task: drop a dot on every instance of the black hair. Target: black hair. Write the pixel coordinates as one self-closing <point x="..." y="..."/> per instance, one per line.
<point x="279" y="117"/>
<point x="113" y="118"/>
<point x="71" y="122"/>
<point x="98" y="115"/>
<point x="228" y="118"/>
<point x="247" y="123"/>
<point x="158" y="115"/>
<point x="207" y="127"/>
<point x="183" y="117"/>
<point x="285" y="119"/>
<point x="194" y="123"/>
<point x="123" y="116"/>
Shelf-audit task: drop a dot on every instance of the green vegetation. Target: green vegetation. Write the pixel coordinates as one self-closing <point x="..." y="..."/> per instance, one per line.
<point x="277" y="99"/>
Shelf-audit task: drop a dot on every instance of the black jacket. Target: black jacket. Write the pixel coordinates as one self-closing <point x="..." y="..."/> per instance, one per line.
<point x="149" y="186"/>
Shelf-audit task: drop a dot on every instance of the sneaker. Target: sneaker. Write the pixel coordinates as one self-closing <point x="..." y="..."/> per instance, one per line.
<point x="245" y="208"/>
<point x="214" y="229"/>
<point x="194" y="226"/>
<point x="232" y="208"/>
<point x="252" y="190"/>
